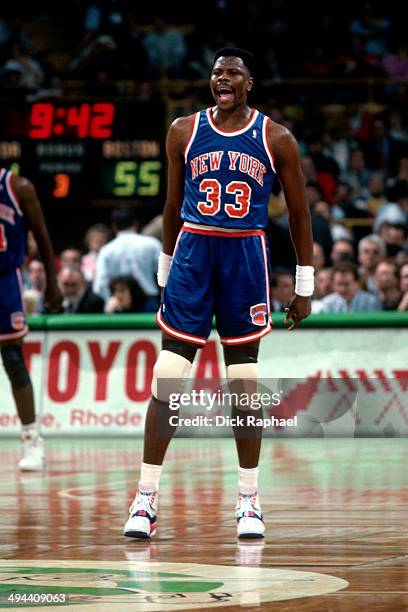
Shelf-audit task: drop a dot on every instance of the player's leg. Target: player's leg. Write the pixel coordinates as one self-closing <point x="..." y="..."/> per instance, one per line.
<point x="185" y="318"/>
<point x="171" y="369"/>
<point x="242" y="313"/>
<point x="241" y="365"/>
<point x="22" y="390"/>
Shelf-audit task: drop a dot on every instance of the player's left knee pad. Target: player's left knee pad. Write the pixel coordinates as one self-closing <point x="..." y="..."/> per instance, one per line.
<point x="14" y="364"/>
<point x="242" y="371"/>
<point x="169" y="373"/>
<point x="242" y="381"/>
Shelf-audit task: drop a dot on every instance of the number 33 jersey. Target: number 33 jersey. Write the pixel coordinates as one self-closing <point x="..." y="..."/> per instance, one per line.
<point x="228" y="175"/>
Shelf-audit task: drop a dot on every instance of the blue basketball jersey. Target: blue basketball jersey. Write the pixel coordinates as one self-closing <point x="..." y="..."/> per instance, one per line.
<point x="228" y="175"/>
<point x="12" y="243"/>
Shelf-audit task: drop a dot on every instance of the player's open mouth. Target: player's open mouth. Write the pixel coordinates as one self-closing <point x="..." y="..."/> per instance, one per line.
<point x="225" y="95"/>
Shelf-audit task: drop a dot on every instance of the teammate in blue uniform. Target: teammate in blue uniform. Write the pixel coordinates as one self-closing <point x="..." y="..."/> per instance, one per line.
<point x="223" y="162"/>
<point x="19" y="206"/>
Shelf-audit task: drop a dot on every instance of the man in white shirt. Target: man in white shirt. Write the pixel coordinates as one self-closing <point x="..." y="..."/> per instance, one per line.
<point x="129" y="253"/>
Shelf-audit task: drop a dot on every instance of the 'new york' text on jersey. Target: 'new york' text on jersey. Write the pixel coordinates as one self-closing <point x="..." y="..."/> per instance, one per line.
<point x="228" y="175"/>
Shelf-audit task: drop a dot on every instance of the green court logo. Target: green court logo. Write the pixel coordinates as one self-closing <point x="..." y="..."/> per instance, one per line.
<point x="151" y="586"/>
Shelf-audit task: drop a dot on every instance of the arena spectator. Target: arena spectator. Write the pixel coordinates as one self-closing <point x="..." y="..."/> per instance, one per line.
<point x="395" y="64"/>
<point x="77" y="296"/>
<point x="36" y="284"/>
<point x="309" y="170"/>
<point x="395" y="183"/>
<point x="128" y="254"/>
<point x="404" y="278"/>
<point x="394" y="235"/>
<point x="165" y="48"/>
<point x="387" y="284"/>
<point x="347" y="295"/>
<point x="382" y="152"/>
<point x="403" y="305"/>
<point x="154" y="227"/>
<point x="356" y="175"/>
<point x="36" y="275"/>
<point x="371" y="249"/>
<point x="127" y="296"/>
<point x="31" y="74"/>
<point x="31" y="299"/>
<point x="313" y="192"/>
<point x="323" y="287"/>
<point x="318" y="257"/>
<point x="372" y="28"/>
<point x="338" y="231"/>
<point x="282" y="289"/>
<point x="374" y="196"/>
<point x="342" y="250"/>
<point x="95" y="238"/>
<point x="344" y="206"/>
<point x="323" y="283"/>
<point x="70" y="258"/>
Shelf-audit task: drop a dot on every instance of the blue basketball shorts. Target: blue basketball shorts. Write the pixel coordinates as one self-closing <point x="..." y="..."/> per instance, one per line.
<point x="222" y="274"/>
<point x="12" y="318"/>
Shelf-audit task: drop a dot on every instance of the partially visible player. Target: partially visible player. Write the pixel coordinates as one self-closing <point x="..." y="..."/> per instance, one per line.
<point x="223" y="162"/>
<point x="19" y="206"/>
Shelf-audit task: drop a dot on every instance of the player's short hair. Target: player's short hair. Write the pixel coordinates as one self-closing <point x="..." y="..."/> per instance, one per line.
<point x="246" y="56"/>
<point x="123" y="218"/>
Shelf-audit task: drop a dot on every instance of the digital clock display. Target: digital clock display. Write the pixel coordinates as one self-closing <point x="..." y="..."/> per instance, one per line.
<point x="77" y="121"/>
<point x="86" y="151"/>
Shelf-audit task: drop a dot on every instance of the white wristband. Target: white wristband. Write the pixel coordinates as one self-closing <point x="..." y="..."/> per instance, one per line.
<point x="163" y="269"/>
<point x="304" y="284"/>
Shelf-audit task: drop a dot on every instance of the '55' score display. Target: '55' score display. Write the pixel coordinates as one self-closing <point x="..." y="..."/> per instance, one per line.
<point x="86" y="150"/>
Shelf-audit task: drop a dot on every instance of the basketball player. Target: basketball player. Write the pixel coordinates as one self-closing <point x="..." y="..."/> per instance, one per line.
<point x="19" y="204"/>
<point x="223" y="162"/>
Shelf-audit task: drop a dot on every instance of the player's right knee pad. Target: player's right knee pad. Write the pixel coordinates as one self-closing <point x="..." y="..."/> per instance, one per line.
<point x="14" y="364"/>
<point x="169" y="374"/>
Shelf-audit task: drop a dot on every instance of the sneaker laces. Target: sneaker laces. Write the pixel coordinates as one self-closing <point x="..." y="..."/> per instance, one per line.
<point x="143" y="502"/>
<point x="247" y="506"/>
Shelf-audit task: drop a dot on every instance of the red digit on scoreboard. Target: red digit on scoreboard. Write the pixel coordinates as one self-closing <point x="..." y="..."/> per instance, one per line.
<point x="101" y="120"/>
<point x="41" y="119"/>
<point x="78" y="117"/>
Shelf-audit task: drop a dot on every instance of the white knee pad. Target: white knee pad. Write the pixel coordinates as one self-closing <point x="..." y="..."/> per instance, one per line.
<point x="246" y="371"/>
<point x="243" y="380"/>
<point x="169" y="374"/>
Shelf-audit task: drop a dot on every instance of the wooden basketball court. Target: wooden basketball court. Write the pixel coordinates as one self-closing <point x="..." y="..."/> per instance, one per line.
<point x="336" y="513"/>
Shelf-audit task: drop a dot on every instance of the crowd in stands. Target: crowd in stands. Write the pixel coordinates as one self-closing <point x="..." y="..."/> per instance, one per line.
<point x="102" y="41"/>
<point x="354" y="153"/>
<point x="117" y="273"/>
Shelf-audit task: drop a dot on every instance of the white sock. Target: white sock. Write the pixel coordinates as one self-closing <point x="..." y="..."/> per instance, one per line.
<point x="31" y="428"/>
<point x="150" y="476"/>
<point x="248" y="480"/>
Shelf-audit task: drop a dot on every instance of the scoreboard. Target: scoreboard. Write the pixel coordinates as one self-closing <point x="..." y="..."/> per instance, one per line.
<point x="84" y="150"/>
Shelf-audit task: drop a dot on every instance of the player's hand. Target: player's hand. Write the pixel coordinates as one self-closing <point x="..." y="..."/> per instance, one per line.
<point x="298" y="309"/>
<point x="53" y="298"/>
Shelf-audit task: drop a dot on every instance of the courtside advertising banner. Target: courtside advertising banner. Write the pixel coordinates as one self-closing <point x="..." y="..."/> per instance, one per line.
<point x="331" y="382"/>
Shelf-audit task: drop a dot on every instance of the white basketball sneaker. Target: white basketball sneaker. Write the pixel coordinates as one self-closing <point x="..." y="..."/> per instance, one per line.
<point x="249" y="516"/>
<point x="33" y="459"/>
<point x="142" y="521"/>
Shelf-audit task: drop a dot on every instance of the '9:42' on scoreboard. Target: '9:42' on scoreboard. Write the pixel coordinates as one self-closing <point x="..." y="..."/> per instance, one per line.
<point x="86" y="150"/>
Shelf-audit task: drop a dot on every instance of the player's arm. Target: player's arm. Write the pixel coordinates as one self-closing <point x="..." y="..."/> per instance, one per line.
<point x="176" y="142"/>
<point x="27" y="198"/>
<point x="288" y="166"/>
